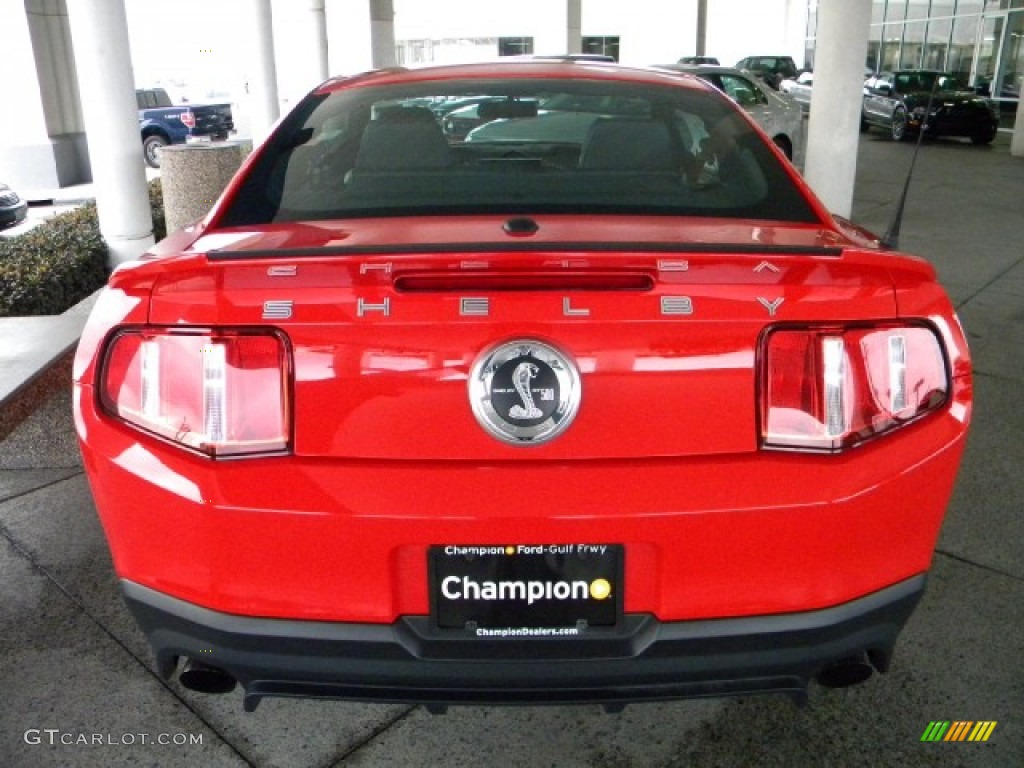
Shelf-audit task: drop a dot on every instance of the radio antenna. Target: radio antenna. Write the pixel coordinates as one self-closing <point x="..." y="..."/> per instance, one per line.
<point x="891" y="238"/>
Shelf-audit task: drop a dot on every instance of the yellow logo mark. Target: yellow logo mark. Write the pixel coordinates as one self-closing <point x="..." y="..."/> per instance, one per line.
<point x="600" y="589"/>
<point x="510" y="550"/>
<point x="982" y="730"/>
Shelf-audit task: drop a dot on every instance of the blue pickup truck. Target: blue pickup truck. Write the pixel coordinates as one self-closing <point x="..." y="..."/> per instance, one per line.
<point x="163" y="123"/>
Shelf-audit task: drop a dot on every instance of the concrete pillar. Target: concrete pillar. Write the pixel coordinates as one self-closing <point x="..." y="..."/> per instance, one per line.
<point x="574" y="26"/>
<point x="42" y="143"/>
<point x="702" y="28"/>
<point x="795" y="30"/>
<point x="1017" y="140"/>
<point x="263" y="83"/>
<point x="382" y="33"/>
<point x="318" y="21"/>
<point x="100" y="33"/>
<point x="834" y="128"/>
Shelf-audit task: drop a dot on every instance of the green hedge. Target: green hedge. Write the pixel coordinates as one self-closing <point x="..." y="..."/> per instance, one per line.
<point x="61" y="261"/>
<point x="156" y="204"/>
<point x="53" y="266"/>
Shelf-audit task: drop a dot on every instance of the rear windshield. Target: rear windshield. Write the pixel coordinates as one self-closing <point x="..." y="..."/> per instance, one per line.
<point x="515" y="146"/>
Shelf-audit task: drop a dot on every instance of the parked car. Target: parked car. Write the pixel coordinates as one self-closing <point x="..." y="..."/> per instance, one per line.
<point x="594" y="58"/>
<point x="562" y="118"/>
<point x="457" y="123"/>
<point x="772" y="69"/>
<point x="799" y="89"/>
<point x="440" y="108"/>
<point x="777" y="114"/>
<point x="163" y="123"/>
<point x="897" y="102"/>
<point x="699" y="60"/>
<point x="623" y="415"/>
<point x="13" y="209"/>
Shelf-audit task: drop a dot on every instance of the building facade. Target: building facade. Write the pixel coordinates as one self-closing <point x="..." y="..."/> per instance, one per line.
<point x="981" y="41"/>
<point x="640" y="32"/>
<point x="45" y="147"/>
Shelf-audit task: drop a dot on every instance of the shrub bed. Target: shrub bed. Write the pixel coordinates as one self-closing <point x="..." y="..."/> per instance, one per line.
<point x="53" y="266"/>
<point x="156" y="204"/>
<point x="63" y="260"/>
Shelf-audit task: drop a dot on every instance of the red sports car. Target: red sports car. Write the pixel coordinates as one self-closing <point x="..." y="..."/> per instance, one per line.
<point x="604" y="407"/>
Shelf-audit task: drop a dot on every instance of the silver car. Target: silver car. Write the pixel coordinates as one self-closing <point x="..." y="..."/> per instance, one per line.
<point x="799" y="88"/>
<point x="558" y="119"/>
<point x="776" y="113"/>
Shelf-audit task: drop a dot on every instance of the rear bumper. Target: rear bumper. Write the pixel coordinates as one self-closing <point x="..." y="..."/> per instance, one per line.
<point x="410" y="661"/>
<point x="958" y="124"/>
<point x="298" y="538"/>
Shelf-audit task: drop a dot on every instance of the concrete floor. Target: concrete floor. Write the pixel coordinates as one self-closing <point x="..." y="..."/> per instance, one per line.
<point x="74" y="668"/>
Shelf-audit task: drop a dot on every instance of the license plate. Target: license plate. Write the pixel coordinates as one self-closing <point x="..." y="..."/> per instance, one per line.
<point x="526" y="586"/>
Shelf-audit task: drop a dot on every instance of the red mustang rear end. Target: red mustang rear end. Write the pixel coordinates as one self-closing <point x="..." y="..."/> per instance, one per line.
<point x="595" y="403"/>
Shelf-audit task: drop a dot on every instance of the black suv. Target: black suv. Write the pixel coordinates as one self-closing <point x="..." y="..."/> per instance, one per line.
<point x="772" y="69"/>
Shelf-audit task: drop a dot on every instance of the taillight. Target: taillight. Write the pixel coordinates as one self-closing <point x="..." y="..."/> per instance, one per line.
<point x="188" y="119"/>
<point x="221" y="392"/>
<point x="831" y="388"/>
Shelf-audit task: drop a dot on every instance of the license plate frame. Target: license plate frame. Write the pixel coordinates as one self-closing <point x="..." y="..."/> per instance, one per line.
<point x="551" y="595"/>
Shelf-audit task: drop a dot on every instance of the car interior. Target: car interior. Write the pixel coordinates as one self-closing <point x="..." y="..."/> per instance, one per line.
<point x="539" y="147"/>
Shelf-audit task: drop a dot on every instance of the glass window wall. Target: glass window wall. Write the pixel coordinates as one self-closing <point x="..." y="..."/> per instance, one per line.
<point x="602" y="45"/>
<point x="895" y="11"/>
<point x="961" y="50"/>
<point x="913" y="44"/>
<point x="892" y="34"/>
<point x="937" y="45"/>
<point x="1013" y="56"/>
<point x="890" y="55"/>
<point x="515" y="46"/>
<point x="918" y="9"/>
<point x="981" y="41"/>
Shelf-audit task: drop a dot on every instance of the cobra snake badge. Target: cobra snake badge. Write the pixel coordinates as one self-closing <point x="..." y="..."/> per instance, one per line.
<point x="524" y="391"/>
<point x="521" y="377"/>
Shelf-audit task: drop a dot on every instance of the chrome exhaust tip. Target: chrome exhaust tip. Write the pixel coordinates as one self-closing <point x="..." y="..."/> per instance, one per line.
<point x="844" y="673"/>
<point x="197" y="676"/>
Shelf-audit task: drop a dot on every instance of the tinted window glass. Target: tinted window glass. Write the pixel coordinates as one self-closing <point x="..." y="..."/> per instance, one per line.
<point x="742" y="91"/>
<point x="516" y="146"/>
<point x="161" y="99"/>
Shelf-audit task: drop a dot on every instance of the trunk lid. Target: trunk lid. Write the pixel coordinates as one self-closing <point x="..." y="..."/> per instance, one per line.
<point x="386" y="320"/>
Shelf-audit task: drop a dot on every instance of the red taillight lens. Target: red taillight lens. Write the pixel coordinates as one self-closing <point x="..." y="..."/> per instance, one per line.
<point x="188" y="119"/>
<point x="831" y="388"/>
<point x="222" y="393"/>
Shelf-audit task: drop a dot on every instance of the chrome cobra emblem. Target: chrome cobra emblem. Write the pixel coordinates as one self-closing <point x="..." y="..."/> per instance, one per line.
<point x="524" y="391"/>
<point x="521" y="378"/>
